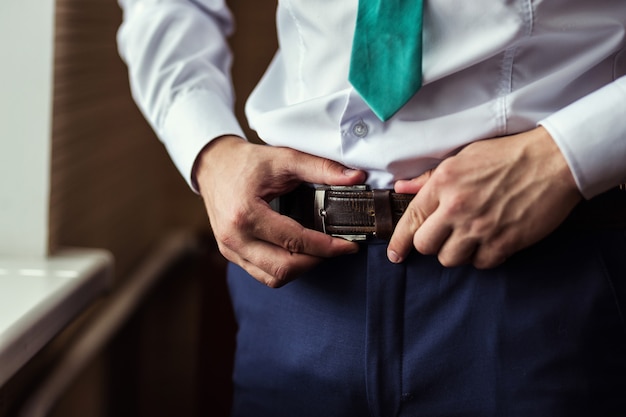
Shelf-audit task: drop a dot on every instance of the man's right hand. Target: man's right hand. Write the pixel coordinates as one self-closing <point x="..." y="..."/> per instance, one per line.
<point x="237" y="179"/>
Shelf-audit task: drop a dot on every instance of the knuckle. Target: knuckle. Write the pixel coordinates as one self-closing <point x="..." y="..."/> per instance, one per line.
<point x="445" y="173"/>
<point x="456" y="204"/>
<point x="227" y="240"/>
<point x="453" y="258"/>
<point x="447" y="262"/>
<point x="485" y="263"/>
<point x="233" y="227"/>
<point x="327" y="165"/>
<point x="239" y="219"/>
<point x="293" y="244"/>
<point x="279" y="276"/>
<point x="481" y="228"/>
<point x="491" y="257"/>
<point x="272" y="278"/>
<point x="415" y="216"/>
<point x="272" y="282"/>
<point x="423" y="246"/>
<point x="443" y="260"/>
<point x="225" y="251"/>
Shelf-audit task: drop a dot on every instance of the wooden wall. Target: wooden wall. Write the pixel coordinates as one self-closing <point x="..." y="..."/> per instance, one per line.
<point x="114" y="187"/>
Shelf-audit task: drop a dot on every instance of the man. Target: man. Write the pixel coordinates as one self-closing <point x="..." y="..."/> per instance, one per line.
<point x="490" y="298"/>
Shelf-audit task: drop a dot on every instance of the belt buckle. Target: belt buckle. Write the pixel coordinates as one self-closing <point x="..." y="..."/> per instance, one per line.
<point x="320" y="209"/>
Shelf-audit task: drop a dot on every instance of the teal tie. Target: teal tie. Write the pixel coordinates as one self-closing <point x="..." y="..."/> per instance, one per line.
<point x="386" y="61"/>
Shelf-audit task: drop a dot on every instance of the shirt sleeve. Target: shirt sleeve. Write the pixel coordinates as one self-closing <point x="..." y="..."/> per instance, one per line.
<point x="591" y="134"/>
<point x="179" y="69"/>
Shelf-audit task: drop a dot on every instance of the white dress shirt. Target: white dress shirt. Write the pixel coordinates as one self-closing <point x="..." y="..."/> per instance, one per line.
<point x="490" y="68"/>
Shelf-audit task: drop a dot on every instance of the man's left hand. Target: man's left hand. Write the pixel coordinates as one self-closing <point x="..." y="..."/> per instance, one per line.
<point x="492" y="199"/>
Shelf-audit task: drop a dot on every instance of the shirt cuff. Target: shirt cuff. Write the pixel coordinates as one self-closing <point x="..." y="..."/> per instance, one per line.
<point x="591" y="134"/>
<point x="194" y="120"/>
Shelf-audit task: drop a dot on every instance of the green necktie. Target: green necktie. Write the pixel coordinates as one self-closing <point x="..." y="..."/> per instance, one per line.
<point x="386" y="61"/>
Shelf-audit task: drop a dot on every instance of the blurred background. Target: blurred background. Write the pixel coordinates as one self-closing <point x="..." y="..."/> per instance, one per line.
<point x="114" y="187"/>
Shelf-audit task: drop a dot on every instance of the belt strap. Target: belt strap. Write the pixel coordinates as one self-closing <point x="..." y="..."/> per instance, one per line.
<point x="383" y="217"/>
<point x="358" y="213"/>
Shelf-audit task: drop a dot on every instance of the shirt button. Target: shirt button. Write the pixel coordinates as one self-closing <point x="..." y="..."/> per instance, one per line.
<point x="360" y="129"/>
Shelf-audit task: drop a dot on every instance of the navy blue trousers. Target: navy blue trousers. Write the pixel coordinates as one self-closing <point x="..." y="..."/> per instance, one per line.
<point x="542" y="335"/>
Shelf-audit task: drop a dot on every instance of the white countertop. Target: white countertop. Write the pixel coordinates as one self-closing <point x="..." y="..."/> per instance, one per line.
<point x="40" y="296"/>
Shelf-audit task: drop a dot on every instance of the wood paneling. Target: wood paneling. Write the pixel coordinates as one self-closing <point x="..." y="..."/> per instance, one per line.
<point x="112" y="184"/>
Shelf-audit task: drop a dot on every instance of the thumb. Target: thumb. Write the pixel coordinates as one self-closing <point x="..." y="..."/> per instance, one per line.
<point x="316" y="170"/>
<point x="412" y="186"/>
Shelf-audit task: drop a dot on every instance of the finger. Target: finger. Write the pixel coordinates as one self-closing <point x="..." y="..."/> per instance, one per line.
<point x="401" y="241"/>
<point x="253" y="270"/>
<point x="412" y="186"/>
<point x="290" y="235"/>
<point x="431" y="236"/>
<point x="456" y="250"/>
<point x="269" y="253"/>
<point x="491" y="254"/>
<point x="419" y="209"/>
<point x="316" y="170"/>
<point x="273" y="265"/>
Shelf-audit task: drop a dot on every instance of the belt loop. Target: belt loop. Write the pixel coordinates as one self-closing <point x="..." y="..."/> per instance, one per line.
<point x="383" y="218"/>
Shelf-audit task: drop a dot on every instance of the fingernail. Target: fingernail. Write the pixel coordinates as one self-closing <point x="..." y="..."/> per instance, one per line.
<point x="349" y="172"/>
<point x="393" y="257"/>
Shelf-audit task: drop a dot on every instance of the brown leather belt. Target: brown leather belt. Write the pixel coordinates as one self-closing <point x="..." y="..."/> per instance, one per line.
<point x="359" y="213"/>
<point x="353" y="213"/>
